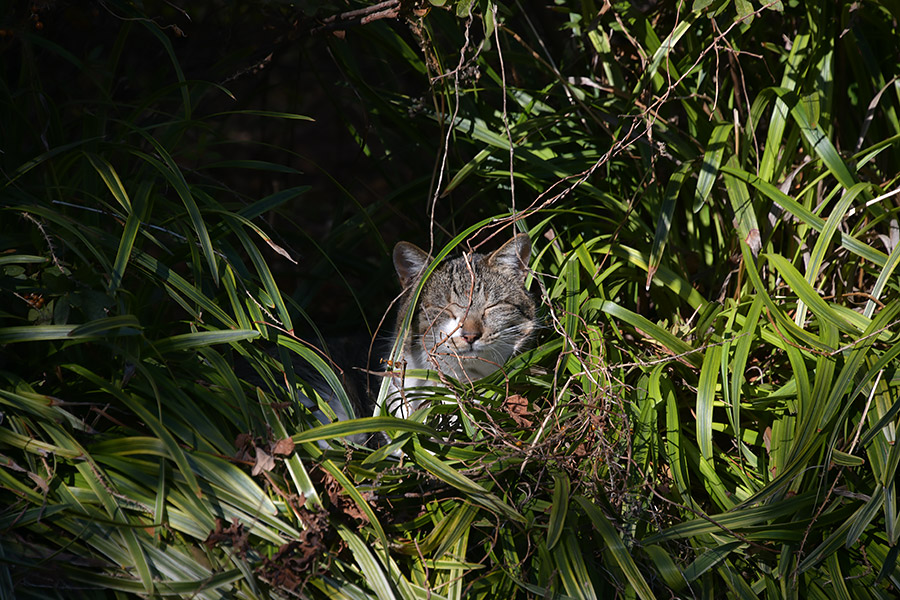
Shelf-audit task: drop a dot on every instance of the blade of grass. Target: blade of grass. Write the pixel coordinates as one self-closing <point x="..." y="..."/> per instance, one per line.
<point x="617" y="548"/>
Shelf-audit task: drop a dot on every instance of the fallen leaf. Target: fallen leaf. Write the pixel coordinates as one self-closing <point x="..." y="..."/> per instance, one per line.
<point x="264" y="462"/>
<point x="295" y="562"/>
<point x="516" y="406"/>
<point x="283" y="447"/>
<point x="340" y="501"/>
<point x="233" y="534"/>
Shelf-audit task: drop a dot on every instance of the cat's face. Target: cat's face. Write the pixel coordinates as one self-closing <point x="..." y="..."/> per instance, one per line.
<point x="474" y="312"/>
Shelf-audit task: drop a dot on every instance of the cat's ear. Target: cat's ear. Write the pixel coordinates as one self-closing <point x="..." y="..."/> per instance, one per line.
<point x="409" y="261"/>
<point x="513" y="254"/>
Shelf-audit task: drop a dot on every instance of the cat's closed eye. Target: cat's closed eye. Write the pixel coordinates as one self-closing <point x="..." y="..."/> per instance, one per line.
<point x="495" y="309"/>
<point x="433" y="313"/>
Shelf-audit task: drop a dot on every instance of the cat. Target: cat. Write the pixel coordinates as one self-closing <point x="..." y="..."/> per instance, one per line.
<point x="473" y="314"/>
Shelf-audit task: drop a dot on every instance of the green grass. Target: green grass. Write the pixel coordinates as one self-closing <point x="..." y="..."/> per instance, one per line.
<point x="710" y="409"/>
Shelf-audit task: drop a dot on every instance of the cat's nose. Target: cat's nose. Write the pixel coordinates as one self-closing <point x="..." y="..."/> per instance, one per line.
<point x="471" y="330"/>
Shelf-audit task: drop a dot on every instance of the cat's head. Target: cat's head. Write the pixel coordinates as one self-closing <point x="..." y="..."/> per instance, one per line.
<point x="474" y="312"/>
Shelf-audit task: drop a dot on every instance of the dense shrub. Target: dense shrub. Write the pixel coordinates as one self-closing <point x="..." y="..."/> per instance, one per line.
<point x="194" y="198"/>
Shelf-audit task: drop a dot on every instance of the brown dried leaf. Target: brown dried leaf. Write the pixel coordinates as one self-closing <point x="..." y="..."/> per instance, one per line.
<point x="295" y="561"/>
<point x="754" y="241"/>
<point x="283" y="447"/>
<point x="516" y="406"/>
<point x="342" y="503"/>
<point x="264" y="462"/>
<point x="234" y="534"/>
